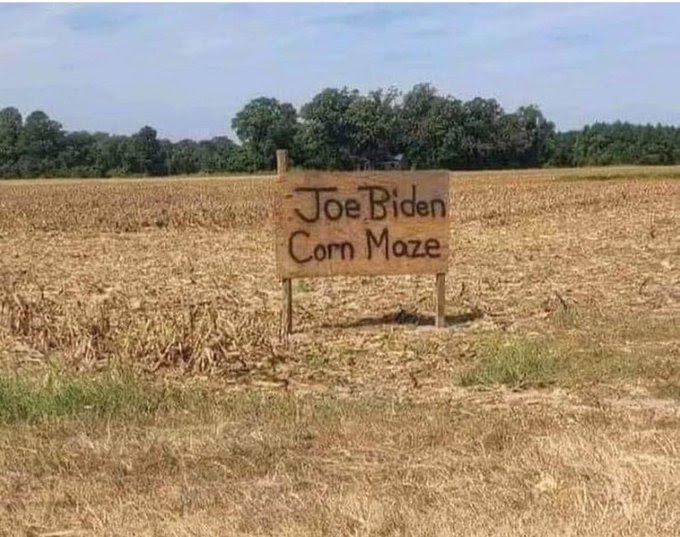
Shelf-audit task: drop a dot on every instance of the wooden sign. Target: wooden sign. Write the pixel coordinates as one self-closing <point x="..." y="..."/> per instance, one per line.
<point x="363" y="223"/>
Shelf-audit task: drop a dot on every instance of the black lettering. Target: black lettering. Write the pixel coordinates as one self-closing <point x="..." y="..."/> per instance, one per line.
<point x="317" y="201"/>
<point x="441" y="204"/>
<point x="329" y="203"/>
<point x="352" y="208"/>
<point x="377" y="202"/>
<point x="416" y="252"/>
<point x="399" y="249"/>
<point x="320" y="252"/>
<point x="290" y="247"/>
<point x="432" y="247"/>
<point x="422" y="208"/>
<point x="370" y="239"/>
<point x="410" y="202"/>
<point x="346" y="250"/>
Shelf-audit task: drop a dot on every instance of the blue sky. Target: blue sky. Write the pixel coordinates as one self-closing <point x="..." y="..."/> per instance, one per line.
<point x="186" y="69"/>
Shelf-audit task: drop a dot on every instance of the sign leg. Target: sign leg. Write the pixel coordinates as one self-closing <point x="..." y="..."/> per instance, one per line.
<point x="287" y="309"/>
<point x="440" y="320"/>
<point x="287" y="283"/>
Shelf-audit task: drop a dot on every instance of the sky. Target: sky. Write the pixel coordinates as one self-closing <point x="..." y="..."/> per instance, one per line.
<point x="186" y="69"/>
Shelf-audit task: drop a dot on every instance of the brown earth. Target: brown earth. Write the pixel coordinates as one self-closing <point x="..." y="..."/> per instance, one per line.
<point x="548" y="406"/>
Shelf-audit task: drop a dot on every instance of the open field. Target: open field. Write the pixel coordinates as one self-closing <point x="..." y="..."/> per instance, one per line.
<point x="145" y="391"/>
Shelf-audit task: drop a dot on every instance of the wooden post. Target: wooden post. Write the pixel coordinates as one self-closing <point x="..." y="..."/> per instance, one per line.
<point x="287" y="308"/>
<point x="440" y="320"/>
<point x="287" y="284"/>
<point x="281" y="161"/>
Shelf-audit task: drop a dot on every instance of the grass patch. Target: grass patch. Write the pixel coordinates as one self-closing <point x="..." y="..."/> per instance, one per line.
<point x="513" y="363"/>
<point x="303" y="286"/>
<point x="125" y="398"/>
<point x="103" y="396"/>
<point x="276" y="464"/>
<point x="527" y="362"/>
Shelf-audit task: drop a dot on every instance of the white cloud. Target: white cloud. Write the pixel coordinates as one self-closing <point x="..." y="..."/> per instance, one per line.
<point x="188" y="68"/>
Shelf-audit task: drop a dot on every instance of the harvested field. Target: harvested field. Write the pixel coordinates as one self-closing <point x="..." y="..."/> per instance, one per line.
<point x="548" y="406"/>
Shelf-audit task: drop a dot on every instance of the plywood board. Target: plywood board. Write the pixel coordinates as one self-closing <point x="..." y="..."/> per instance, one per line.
<point x="363" y="223"/>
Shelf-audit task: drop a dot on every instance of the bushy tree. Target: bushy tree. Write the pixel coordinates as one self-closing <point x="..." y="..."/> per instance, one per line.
<point x="338" y="129"/>
<point x="221" y="154"/>
<point x="144" y="153"/>
<point x="432" y="128"/>
<point x="184" y="158"/>
<point x="604" y="144"/>
<point x="11" y="124"/>
<point x="523" y="138"/>
<point x="40" y="142"/>
<point x="265" y="125"/>
<point x="78" y="155"/>
<point x="326" y="134"/>
<point x="373" y="126"/>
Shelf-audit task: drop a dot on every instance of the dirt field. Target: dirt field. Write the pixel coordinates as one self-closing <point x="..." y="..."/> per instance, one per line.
<point x="144" y="389"/>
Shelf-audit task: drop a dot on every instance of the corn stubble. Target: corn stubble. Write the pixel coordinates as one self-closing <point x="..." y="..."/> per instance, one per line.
<point x="545" y="408"/>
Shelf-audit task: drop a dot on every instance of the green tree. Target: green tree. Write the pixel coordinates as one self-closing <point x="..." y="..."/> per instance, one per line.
<point x="416" y="124"/>
<point x="523" y="138"/>
<point x="339" y="129"/>
<point x="482" y="125"/>
<point x="40" y="143"/>
<point x="221" y="154"/>
<point x="142" y="153"/>
<point x="109" y="154"/>
<point x="326" y="139"/>
<point x="11" y="124"/>
<point x="184" y="158"/>
<point x="78" y="155"/>
<point x="432" y="128"/>
<point x="265" y="125"/>
<point x="373" y="126"/>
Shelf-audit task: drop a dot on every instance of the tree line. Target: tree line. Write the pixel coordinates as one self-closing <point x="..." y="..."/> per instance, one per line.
<point x="339" y="129"/>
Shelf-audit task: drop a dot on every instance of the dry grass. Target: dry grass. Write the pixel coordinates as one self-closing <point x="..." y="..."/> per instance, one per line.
<point x="369" y="422"/>
<point x="489" y="464"/>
